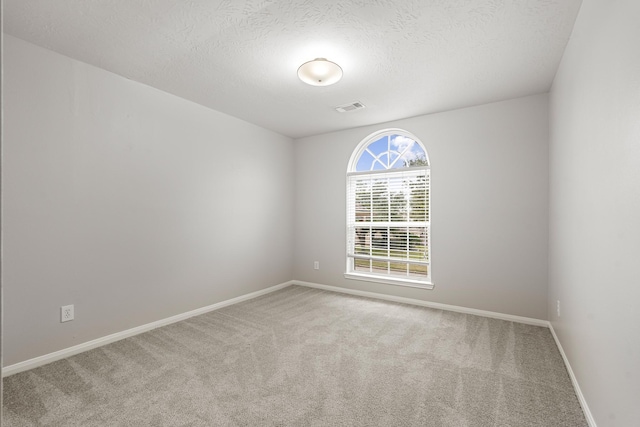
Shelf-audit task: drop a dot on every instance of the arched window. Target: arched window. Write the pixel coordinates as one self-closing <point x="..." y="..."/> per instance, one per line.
<point x="388" y="228"/>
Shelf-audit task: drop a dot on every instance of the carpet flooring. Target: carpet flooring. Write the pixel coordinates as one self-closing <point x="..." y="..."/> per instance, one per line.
<point x="307" y="357"/>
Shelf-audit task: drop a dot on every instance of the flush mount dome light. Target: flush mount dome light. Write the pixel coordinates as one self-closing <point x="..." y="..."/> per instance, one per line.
<point x="320" y="72"/>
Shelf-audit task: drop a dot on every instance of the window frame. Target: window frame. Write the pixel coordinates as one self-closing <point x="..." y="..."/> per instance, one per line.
<point x="386" y="278"/>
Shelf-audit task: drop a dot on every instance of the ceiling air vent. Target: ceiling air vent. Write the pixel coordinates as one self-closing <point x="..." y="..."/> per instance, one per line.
<point x="350" y="107"/>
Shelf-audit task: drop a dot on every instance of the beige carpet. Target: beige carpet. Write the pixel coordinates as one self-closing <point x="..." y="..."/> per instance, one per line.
<point x="305" y="357"/>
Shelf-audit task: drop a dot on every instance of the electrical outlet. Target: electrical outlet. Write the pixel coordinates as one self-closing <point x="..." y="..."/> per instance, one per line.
<point x="316" y="265"/>
<point x="558" y="307"/>
<point x="66" y="313"/>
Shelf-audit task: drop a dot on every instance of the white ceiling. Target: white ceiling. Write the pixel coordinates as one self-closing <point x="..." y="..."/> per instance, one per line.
<point x="401" y="58"/>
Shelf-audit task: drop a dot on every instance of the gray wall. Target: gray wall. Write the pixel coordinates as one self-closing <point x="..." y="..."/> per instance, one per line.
<point x="489" y="206"/>
<point x="130" y="203"/>
<point x="595" y="208"/>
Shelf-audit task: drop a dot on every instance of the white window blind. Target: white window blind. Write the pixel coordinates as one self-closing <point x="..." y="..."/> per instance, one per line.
<point x="388" y="223"/>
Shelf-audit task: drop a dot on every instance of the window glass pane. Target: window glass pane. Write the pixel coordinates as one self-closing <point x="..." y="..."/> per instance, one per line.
<point x="379" y="241"/>
<point x="363" y="201"/>
<point x="362" y="265"/>
<point x="418" y="270"/>
<point x="379" y="146"/>
<point x="380" y="267"/>
<point x="418" y="199"/>
<point x="417" y="244"/>
<point x="362" y="244"/>
<point x="398" y="268"/>
<point x="409" y="151"/>
<point x="380" y="200"/>
<point x="399" y="243"/>
<point x="364" y="162"/>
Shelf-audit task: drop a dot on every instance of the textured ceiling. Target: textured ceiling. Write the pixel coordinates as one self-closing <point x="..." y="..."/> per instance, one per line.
<point x="401" y="58"/>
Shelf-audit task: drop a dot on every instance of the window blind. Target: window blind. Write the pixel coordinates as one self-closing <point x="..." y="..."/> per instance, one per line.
<point x="388" y="223"/>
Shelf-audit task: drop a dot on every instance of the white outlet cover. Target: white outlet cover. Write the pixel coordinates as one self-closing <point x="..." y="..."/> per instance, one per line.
<point x="66" y="313"/>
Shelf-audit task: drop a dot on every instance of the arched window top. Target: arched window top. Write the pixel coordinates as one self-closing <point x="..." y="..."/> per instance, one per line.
<point x="386" y="150"/>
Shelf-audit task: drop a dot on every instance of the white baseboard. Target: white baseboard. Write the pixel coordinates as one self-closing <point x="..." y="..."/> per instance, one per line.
<point x="583" y="403"/>
<point x="439" y="306"/>
<point x="67" y="352"/>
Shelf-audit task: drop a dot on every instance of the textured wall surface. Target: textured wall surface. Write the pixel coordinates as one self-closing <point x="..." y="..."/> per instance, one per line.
<point x="401" y="58"/>
<point x="489" y="195"/>
<point x="595" y="208"/>
<point x="130" y="203"/>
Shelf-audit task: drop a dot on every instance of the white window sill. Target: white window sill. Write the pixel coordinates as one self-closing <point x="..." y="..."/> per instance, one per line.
<point x="390" y="281"/>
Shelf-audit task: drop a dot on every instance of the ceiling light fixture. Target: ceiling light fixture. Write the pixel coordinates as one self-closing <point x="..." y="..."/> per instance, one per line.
<point x="320" y="72"/>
